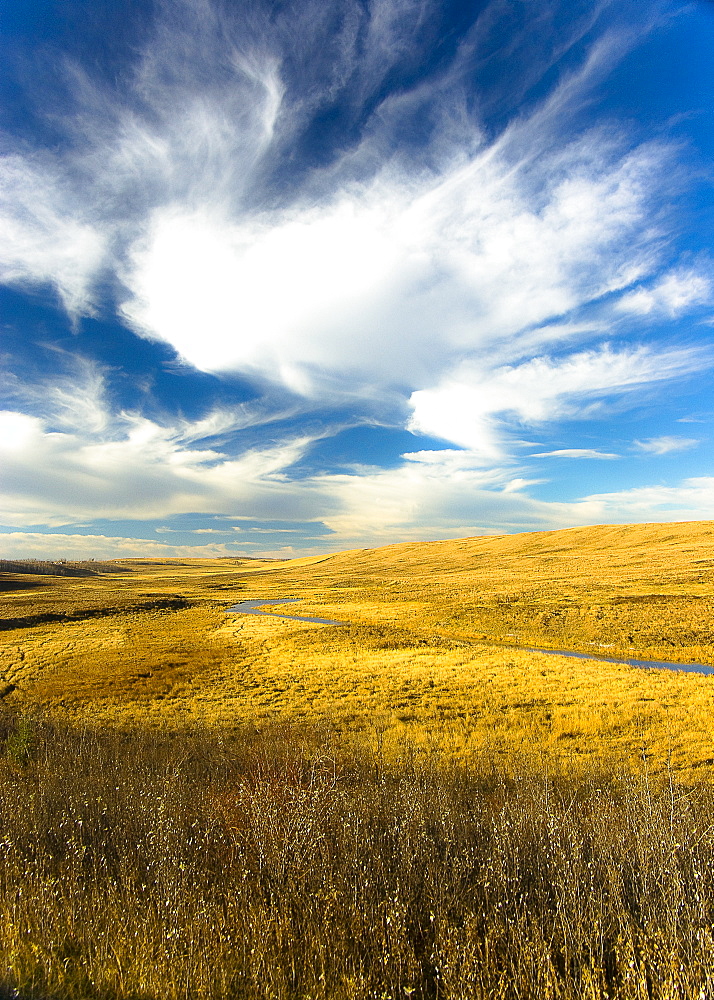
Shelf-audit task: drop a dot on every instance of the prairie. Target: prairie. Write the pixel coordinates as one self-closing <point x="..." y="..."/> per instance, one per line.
<point x="429" y="653"/>
<point x="242" y="807"/>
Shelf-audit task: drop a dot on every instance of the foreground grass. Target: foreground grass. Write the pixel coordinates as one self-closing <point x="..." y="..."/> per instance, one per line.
<point x="286" y="863"/>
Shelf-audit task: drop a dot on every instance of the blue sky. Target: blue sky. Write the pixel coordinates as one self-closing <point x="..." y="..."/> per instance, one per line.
<point x="305" y="275"/>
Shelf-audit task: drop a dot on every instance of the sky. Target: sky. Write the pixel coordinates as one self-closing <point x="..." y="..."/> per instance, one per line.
<point x="284" y="277"/>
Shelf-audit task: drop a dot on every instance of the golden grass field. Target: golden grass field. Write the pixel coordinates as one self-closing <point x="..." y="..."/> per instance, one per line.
<point x="429" y="656"/>
<point x="410" y="805"/>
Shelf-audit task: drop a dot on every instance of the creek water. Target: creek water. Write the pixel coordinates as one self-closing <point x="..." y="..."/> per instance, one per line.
<point x="689" y="668"/>
<point x="254" y="608"/>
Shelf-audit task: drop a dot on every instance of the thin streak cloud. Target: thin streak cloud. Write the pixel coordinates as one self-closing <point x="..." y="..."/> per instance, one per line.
<point x="576" y="453"/>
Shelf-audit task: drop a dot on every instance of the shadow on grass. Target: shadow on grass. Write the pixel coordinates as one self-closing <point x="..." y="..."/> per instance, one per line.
<point x="8" y="992"/>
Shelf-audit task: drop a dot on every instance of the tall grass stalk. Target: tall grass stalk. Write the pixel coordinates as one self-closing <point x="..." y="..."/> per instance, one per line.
<point x="281" y="864"/>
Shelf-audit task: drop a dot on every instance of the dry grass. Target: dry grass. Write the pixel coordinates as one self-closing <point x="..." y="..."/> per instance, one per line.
<point x="195" y="804"/>
<point x="285" y="865"/>
<point x="633" y="590"/>
<point x="424" y="659"/>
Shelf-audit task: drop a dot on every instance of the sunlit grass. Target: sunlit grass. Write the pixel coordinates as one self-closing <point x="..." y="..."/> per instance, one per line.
<point x="422" y="658"/>
<point x="292" y="865"/>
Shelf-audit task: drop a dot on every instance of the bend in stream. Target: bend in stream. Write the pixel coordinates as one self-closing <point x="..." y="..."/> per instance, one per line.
<point x="254" y="608"/>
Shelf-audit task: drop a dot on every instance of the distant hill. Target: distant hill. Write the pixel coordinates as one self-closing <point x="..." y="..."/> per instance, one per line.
<point x="636" y="550"/>
<point x="643" y="587"/>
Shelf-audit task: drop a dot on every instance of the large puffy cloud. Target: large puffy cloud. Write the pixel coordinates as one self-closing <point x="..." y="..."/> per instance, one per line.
<point x="389" y="280"/>
<point x="385" y="265"/>
<point x="384" y="268"/>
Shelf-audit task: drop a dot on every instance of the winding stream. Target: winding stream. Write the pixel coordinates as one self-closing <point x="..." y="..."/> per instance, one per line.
<point x="689" y="668"/>
<point x="254" y="608"/>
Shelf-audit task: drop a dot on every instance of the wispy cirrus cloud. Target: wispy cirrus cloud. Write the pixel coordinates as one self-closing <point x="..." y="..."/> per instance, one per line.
<point x="666" y="444"/>
<point x="688" y="500"/>
<point x="472" y="406"/>
<point x="394" y="275"/>
<point x="140" y="470"/>
<point x="370" y="268"/>
<point x="47" y="236"/>
<point x="576" y="453"/>
<point x="671" y="294"/>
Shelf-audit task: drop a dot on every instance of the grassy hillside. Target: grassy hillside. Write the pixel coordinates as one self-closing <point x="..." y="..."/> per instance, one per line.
<point x="429" y="655"/>
<point x="633" y="590"/>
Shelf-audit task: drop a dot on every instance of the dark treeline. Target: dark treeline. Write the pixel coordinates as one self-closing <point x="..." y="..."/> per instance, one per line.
<point x="43" y="567"/>
<point x="282" y="865"/>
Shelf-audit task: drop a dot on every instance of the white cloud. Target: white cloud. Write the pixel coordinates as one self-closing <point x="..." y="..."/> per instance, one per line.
<point x="434" y="495"/>
<point x="469" y="406"/>
<point x="465" y="283"/>
<point x="72" y="399"/>
<point x="44" y="240"/>
<point x="666" y="444"/>
<point x="61" y="471"/>
<point x="672" y="295"/>
<point x="690" y="500"/>
<point x="140" y="469"/>
<point x="575" y="453"/>
<point x="273" y="300"/>
<point x="147" y="471"/>
<point x="165" y="530"/>
<point x="379" y="269"/>
<point x="18" y="432"/>
<point x="419" y="503"/>
<point x="412" y="503"/>
<point x="393" y="276"/>
<point x="37" y="545"/>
